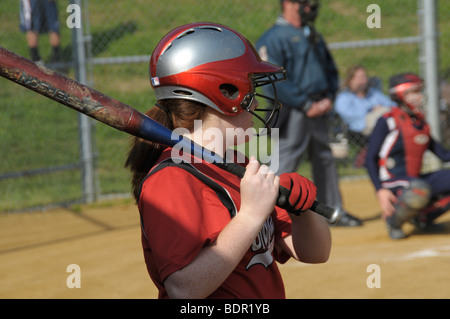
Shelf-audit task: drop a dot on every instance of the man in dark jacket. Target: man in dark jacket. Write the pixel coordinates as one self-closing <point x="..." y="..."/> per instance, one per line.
<point x="307" y="97"/>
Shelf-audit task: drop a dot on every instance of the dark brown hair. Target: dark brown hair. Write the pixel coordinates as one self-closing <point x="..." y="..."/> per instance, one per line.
<point x="143" y="154"/>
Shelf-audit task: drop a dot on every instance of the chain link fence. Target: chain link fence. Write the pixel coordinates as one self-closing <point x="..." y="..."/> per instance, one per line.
<point x="42" y="144"/>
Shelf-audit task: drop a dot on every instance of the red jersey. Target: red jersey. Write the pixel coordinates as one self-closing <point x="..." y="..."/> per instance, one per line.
<point x="181" y="215"/>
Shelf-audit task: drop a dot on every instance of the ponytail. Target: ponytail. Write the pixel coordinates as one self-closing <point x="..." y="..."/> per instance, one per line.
<point x="144" y="154"/>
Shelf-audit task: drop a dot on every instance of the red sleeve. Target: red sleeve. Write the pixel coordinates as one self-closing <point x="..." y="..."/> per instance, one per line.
<point x="283" y="228"/>
<point x="180" y="216"/>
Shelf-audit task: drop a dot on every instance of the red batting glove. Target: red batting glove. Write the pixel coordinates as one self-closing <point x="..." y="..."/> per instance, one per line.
<point x="301" y="192"/>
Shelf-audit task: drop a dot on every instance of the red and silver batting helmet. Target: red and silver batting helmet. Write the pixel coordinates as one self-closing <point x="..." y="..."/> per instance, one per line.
<point x="201" y="61"/>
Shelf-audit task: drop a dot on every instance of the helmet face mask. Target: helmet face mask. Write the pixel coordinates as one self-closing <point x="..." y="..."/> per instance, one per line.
<point x="214" y="65"/>
<point x="406" y="90"/>
<point x="413" y="99"/>
<point x="272" y="111"/>
<point x="308" y="10"/>
<point x="310" y="15"/>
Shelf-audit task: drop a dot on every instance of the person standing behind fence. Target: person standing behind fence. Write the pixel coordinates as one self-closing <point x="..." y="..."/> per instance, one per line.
<point x="360" y="104"/>
<point x="307" y="97"/>
<point x="39" y="17"/>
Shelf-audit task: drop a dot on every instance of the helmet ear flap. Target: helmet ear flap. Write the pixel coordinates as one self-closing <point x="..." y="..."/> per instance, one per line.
<point x="229" y="91"/>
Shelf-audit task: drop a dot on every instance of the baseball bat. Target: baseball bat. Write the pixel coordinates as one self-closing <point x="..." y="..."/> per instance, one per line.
<point x="116" y="114"/>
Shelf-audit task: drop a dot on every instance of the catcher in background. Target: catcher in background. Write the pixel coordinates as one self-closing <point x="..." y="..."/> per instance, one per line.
<point x="218" y="237"/>
<point x="394" y="162"/>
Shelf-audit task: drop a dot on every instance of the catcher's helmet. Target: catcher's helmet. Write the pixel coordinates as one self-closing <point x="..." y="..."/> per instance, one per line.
<point x="401" y="83"/>
<point x="214" y="65"/>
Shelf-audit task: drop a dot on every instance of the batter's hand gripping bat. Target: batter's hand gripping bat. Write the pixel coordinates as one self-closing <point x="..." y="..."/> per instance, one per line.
<point x="117" y="114"/>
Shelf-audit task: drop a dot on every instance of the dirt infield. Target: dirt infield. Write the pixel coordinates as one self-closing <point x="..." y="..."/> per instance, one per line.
<point x="37" y="248"/>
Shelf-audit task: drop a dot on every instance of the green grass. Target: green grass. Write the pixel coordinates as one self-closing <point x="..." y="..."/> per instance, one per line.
<point x="40" y="191"/>
<point x="36" y="132"/>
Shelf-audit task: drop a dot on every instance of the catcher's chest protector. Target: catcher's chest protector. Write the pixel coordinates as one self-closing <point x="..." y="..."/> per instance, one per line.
<point x="415" y="138"/>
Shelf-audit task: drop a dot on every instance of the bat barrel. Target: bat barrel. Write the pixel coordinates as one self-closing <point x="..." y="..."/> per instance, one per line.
<point x="66" y="91"/>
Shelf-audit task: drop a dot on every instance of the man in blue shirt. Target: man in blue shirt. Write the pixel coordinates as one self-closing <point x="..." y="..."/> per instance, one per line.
<point x="307" y="97"/>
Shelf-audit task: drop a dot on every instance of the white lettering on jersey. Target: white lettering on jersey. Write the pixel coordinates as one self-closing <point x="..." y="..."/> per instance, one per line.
<point x="263" y="246"/>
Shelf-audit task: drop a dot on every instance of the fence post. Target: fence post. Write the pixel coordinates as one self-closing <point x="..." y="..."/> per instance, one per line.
<point x="84" y="122"/>
<point x="430" y="69"/>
